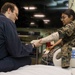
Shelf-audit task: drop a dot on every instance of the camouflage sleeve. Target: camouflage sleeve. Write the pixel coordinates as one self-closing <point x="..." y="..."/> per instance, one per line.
<point x="67" y="30"/>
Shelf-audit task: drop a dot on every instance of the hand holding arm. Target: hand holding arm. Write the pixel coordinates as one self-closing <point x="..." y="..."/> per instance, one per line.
<point x="36" y="43"/>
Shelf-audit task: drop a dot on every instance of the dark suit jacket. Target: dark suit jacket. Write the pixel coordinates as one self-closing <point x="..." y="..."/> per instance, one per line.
<point x="13" y="54"/>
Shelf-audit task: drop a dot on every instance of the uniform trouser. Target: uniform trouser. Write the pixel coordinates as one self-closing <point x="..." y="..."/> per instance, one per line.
<point x="65" y="55"/>
<point x="9" y="64"/>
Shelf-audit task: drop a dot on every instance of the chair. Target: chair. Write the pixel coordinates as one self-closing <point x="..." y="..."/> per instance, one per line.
<point x="57" y="62"/>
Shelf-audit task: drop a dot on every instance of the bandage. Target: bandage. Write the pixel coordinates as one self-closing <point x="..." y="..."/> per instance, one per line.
<point x="53" y="37"/>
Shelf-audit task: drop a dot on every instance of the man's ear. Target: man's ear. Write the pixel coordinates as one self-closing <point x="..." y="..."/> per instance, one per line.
<point x="9" y="10"/>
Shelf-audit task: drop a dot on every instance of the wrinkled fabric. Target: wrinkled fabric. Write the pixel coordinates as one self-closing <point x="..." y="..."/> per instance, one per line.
<point x="67" y="33"/>
<point x="13" y="54"/>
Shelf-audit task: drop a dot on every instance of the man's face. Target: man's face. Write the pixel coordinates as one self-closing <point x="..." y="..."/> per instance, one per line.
<point x="14" y="15"/>
<point x="66" y="19"/>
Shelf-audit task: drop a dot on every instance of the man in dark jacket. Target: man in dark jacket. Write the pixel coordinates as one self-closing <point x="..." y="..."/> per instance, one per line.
<point x="13" y="54"/>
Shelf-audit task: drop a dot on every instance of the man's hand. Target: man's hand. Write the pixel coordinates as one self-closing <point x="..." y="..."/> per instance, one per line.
<point x="37" y="43"/>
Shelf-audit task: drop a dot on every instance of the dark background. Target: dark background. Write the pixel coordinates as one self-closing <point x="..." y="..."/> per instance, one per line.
<point x="51" y="8"/>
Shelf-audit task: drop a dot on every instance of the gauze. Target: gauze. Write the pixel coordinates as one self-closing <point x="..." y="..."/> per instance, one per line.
<point x="53" y="37"/>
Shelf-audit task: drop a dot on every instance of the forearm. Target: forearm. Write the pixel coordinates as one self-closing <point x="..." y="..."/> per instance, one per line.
<point x="57" y="43"/>
<point x="54" y="36"/>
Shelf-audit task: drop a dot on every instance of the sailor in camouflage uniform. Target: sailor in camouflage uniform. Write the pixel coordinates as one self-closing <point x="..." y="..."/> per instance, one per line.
<point x="67" y="35"/>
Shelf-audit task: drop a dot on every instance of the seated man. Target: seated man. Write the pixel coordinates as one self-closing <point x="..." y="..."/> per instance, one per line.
<point x="13" y="54"/>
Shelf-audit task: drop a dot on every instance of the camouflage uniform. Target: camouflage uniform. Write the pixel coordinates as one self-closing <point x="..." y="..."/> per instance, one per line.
<point x="67" y="33"/>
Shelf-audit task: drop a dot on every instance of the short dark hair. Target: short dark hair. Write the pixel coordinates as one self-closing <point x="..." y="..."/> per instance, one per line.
<point x="70" y="12"/>
<point x="7" y="5"/>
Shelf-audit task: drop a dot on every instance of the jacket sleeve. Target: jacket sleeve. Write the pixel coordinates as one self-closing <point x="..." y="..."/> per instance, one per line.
<point x="67" y="30"/>
<point x="13" y="44"/>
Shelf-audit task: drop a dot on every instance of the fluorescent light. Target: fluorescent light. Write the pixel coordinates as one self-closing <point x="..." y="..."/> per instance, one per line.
<point x="39" y="15"/>
<point x="46" y="21"/>
<point x="32" y="23"/>
<point x="32" y="8"/>
<point x="29" y="8"/>
<point x="26" y="8"/>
